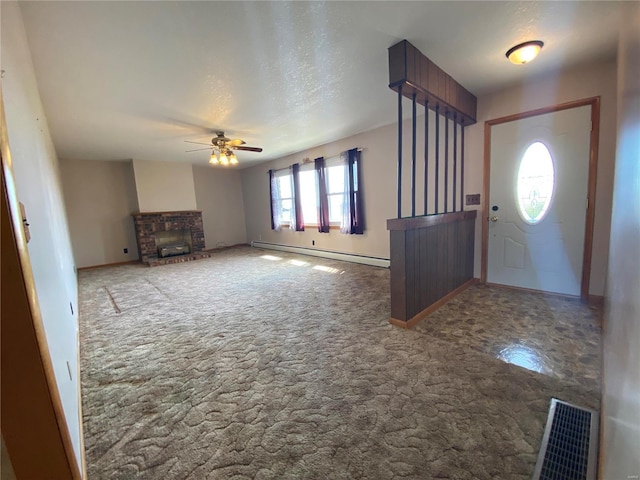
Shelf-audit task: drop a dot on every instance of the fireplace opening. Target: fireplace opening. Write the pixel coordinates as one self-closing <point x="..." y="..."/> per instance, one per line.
<point x="173" y="242"/>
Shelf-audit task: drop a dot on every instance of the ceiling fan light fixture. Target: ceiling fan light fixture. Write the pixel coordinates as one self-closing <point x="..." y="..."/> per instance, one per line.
<point x="524" y="52"/>
<point x="222" y="149"/>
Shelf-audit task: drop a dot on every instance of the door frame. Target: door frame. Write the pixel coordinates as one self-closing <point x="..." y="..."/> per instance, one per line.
<point x="594" y="103"/>
<point x="34" y="427"/>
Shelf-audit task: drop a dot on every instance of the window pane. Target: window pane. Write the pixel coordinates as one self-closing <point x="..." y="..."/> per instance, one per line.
<point x="335" y="207"/>
<point x="285" y="211"/>
<point x="335" y="178"/>
<point x="308" y="196"/>
<point x="355" y="176"/>
<point x="284" y="183"/>
<point x="535" y="183"/>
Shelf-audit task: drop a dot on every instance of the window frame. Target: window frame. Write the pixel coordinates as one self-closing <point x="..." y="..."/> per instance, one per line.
<point x="335" y="162"/>
<point x="278" y="174"/>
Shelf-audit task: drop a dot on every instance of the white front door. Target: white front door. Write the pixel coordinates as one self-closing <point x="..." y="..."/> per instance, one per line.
<point x="538" y="201"/>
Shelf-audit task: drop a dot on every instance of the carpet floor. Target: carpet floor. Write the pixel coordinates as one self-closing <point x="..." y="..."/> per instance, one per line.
<point x="261" y="365"/>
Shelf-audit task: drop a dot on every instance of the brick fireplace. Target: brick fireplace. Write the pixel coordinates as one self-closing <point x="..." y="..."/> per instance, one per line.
<point x="157" y="232"/>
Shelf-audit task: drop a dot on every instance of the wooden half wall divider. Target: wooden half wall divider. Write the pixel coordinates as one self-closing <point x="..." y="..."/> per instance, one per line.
<point x="431" y="257"/>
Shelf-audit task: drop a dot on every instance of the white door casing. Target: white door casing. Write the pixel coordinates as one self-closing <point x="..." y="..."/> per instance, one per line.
<point x="548" y="255"/>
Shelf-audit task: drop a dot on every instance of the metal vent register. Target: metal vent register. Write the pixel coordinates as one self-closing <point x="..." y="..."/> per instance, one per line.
<point x="569" y="444"/>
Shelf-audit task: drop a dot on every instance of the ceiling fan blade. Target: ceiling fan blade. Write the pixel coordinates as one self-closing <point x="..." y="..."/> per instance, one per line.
<point x="198" y="143"/>
<point x="236" y="142"/>
<point x="248" y="149"/>
<point x="198" y="150"/>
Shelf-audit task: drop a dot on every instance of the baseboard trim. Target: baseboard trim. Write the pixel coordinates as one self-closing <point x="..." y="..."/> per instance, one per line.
<point x="347" y="257"/>
<point x="412" y="322"/>
<point x="83" y="453"/>
<point x="115" y="264"/>
<point x="595" y="300"/>
<point x="592" y="300"/>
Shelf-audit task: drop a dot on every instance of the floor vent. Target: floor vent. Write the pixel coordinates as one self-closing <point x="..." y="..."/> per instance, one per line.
<point x="569" y="444"/>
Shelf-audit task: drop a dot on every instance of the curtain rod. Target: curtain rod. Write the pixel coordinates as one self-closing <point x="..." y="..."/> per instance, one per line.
<point x="308" y="160"/>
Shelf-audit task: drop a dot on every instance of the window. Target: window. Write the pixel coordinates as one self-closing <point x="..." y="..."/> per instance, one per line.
<point x="286" y="198"/>
<point x="322" y="193"/>
<point x="281" y="197"/>
<point x="335" y="178"/>
<point x="336" y="190"/>
<point x="309" y="194"/>
<point x="535" y="183"/>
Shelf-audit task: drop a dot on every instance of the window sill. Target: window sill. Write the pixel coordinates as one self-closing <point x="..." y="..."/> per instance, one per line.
<point x="311" y="225"/>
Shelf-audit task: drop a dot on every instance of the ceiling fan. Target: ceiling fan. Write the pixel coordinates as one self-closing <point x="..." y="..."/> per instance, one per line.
<point x="222" y="149"/>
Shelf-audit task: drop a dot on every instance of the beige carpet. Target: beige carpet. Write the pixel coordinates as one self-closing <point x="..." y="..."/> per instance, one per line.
<point x="256" y="364"/>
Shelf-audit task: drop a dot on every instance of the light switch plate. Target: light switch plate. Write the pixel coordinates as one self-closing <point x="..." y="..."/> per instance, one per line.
<point x="473" y="199"/>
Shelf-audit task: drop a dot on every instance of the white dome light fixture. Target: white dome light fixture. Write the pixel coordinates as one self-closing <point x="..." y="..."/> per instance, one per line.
<point x="524" y="52"/>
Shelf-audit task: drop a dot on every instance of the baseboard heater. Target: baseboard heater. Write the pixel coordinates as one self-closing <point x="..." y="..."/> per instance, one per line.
<point x="347" y="257"/>
<point x="569" y="445"/>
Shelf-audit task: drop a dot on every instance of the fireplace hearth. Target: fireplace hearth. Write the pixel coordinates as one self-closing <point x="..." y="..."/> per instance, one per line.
<point x="169" y="237"/>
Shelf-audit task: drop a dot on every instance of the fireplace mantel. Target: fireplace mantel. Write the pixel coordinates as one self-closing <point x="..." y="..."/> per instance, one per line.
<point x="148" y="224"/>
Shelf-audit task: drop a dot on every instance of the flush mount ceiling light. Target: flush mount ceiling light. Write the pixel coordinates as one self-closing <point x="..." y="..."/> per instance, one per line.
<point x="524" y="52"/>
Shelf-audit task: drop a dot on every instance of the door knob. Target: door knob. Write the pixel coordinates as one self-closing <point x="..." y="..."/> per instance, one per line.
<point x="494" y="219"/>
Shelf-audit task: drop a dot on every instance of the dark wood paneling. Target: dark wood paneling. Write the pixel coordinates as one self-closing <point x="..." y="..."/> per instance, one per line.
<point x="398" y="275"/>
<point x="429" y="259"/>
<point x="412" y="223"/>
<point x="410" y="70"/>
<point x="397" y="63"/>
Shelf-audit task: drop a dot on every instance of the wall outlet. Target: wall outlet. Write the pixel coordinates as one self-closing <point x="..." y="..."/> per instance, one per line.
<point x="473" y="199"/>
<point x="125" y="250"/>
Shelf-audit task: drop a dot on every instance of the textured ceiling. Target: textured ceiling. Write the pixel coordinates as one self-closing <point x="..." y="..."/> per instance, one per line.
<point x="124" y="80"/>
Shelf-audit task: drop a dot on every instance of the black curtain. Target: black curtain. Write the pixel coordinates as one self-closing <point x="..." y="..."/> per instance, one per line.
<point x="271" y="188"/>
<point x="356" y="212"/>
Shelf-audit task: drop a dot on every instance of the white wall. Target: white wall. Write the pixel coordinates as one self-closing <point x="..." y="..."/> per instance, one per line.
<point x="164" y="186"/>
<point x="583" y="82"/>
<point x="219" y="196"/>
<point x="99" y="199"/>
<point x="38" y="186"/>
<point x="621" y="376"/>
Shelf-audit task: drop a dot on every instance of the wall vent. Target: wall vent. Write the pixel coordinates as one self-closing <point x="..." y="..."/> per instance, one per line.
<point x="569" y="444"/>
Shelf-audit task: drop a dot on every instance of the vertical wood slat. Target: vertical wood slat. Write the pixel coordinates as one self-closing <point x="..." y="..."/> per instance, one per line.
<point x="413" y="158"/>
<point x="446" y="161"/>
<point x="437" y="159"/>
<point x="410" y="269"/>
<point x="424" y="257"/>
<point x="455" y="160"/>
<point x="426" y="157"/>
<point x="462" y="165"/>
<point x="400" y="151"/>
